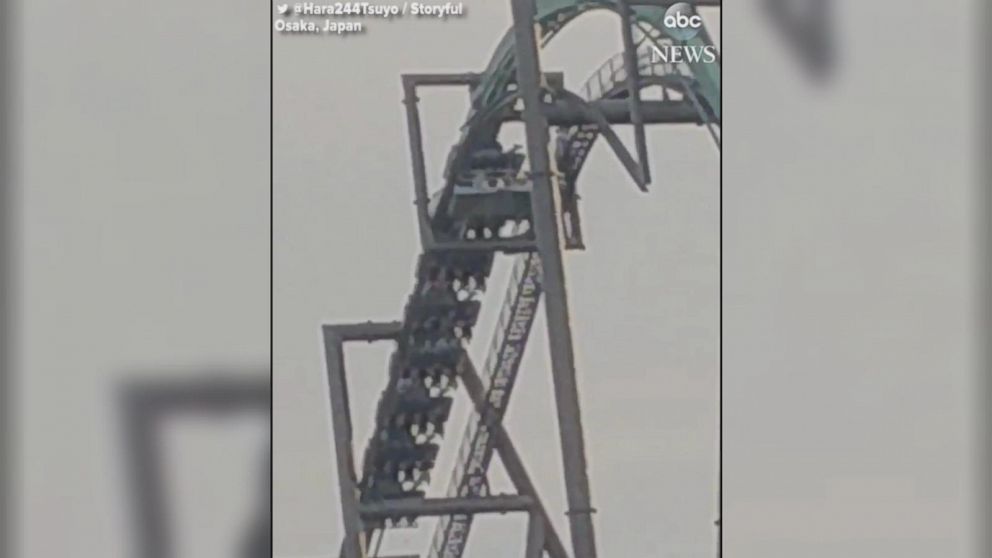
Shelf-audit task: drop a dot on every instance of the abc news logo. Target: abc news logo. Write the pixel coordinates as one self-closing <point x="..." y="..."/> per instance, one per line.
<point x="682" y="23"/>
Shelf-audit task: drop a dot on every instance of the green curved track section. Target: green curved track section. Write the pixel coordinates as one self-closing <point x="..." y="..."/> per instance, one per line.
<point x="552" y="16"/>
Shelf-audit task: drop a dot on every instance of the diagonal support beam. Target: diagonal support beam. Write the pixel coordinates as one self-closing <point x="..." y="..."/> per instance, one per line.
<point x="611" y="137"/>
<point x="634" y="90"/>
<point x="511" y="460"/>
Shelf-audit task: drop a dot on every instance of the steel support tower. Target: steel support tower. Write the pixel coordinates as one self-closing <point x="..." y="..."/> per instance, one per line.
<point x="523" y="205"/>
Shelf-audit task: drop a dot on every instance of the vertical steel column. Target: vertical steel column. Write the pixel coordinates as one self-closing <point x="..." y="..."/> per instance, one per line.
<point x="354" y="538"/>
<point x="417" y="158"/>
<point x="634" y="89"/>
<point x="535" y="537"/>
<point x="544" y="201"/>
<point x="719" y="539"/>
<point x="512" y="462"/>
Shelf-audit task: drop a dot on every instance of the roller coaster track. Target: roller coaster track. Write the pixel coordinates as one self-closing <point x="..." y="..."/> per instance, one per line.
<point x="498" y="89"/>
<point x="441" y="313"/>
<point x="499" y="375"/>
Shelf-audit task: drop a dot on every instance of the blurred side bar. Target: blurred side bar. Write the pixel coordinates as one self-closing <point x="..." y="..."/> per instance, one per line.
<point x="145" y="406"/>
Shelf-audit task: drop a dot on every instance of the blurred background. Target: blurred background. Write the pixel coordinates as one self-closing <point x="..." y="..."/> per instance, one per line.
<point x="136" y="279"/>
<point x="855" y="246"/>
<point x="136" y="213"/>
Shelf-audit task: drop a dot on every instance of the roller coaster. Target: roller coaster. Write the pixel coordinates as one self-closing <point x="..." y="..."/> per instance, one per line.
<point x="524" y="205"/>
